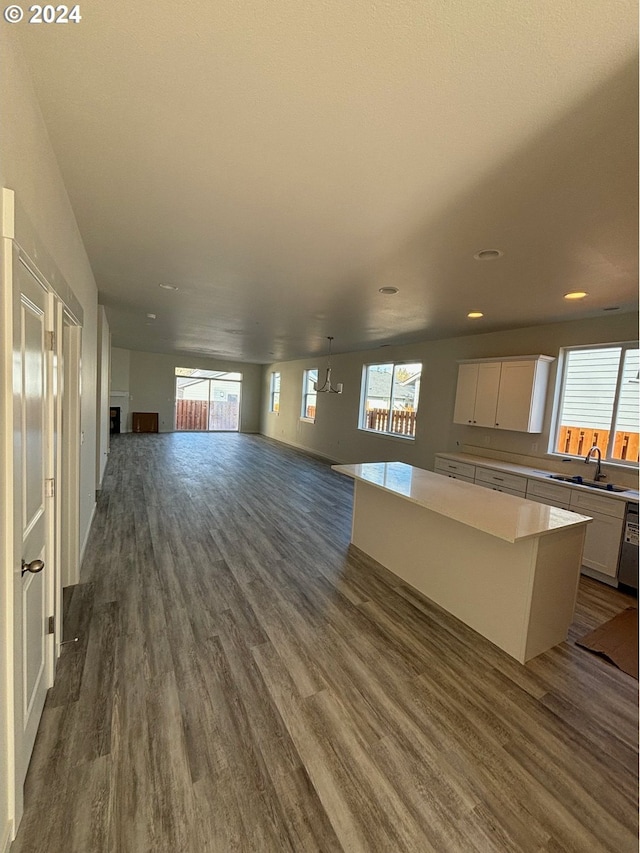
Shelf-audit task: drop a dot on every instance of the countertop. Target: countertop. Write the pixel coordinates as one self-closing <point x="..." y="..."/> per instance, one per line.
<point x="537" y="474"/>
<point x="501" y="515"/>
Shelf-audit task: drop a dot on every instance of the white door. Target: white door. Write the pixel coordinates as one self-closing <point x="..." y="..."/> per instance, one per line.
<point x="33" y="590"/>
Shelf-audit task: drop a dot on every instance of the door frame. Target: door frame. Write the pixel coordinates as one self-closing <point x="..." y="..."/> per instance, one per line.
<point x="18" y="239"/>
<point x="68" y="495"/>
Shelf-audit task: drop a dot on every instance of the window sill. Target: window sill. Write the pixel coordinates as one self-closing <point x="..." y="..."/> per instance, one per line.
<point x="308" y="420"/>
<point x="387" y="434"/>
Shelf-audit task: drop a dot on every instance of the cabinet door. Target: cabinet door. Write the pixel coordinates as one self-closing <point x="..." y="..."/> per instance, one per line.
<point x="515" y="394"/>
<point x="487" y="394"/>
<point x="466" y="394"/>
<point x="602" y="544"/>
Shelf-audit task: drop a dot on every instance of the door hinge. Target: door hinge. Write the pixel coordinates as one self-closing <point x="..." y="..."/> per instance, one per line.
<point x="50" y="341"/>
<point x="50" y="488"/>
<point x="51" y="628"/>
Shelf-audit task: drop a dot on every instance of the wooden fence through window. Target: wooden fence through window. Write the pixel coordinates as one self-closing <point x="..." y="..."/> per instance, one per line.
<point x="577" y="441"/>
<point x="194" y="415"/>
<point x="402" y="422"/>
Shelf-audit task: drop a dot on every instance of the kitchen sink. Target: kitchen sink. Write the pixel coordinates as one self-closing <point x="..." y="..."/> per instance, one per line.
<point x="591" y="484"/>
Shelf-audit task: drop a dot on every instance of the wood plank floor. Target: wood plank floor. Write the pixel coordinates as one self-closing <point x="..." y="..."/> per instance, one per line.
<point x="246" y="682"/>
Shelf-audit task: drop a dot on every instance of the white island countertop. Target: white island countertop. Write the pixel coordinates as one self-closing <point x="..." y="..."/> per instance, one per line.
<point x="495" y="513"/>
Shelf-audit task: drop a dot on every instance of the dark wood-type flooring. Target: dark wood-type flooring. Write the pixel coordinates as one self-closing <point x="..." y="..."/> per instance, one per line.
<point x="246" y="682"/>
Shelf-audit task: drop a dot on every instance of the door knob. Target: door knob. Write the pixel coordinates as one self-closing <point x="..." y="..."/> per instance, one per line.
<point x="34" y="566"/>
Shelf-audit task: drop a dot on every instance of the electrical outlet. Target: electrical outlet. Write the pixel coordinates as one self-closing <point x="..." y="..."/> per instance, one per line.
<point x="487" y="439"/>
<point x="534" y="446"/>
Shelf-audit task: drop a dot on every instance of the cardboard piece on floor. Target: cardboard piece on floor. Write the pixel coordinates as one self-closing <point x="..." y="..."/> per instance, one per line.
<point x="617" y="640"/>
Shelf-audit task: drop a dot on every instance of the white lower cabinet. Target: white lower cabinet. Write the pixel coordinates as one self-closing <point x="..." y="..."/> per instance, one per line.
<point x="548" y="493"/>
<point x="455" y="470"/>
<point x="604" y="534"/>
<point x="501" y="481"/>
<point x="454" y="476"/>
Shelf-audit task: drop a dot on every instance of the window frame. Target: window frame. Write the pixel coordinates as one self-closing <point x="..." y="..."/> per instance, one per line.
<point x="364" y="388"/>
<point x="563" y="360"/>
<point x="308" y="390"/>
<point x="273" y="392"/>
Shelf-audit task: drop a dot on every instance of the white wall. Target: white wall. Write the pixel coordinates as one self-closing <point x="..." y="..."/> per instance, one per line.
<point x="335" y="433"/>
<point x="152" y="386"/>
<point x="29" y="167"/>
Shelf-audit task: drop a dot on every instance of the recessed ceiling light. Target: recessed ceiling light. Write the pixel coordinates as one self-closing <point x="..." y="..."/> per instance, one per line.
<point x="168" y="286"/>
<point x="475" y="314"/>
<point x="488" y="254"/>
<point x="388" y="290"/>
<point x="576" y="294"/>
<point x="151" y="316"/>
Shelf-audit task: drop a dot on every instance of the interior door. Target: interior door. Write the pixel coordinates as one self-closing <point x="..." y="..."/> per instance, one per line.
<point x="33" y="590"/>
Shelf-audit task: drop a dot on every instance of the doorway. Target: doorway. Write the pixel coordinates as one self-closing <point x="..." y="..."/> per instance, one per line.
<point x="207" y="400"/>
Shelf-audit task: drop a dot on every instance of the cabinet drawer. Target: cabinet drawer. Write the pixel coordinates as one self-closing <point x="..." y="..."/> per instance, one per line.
<point x="517" y="493"/>
<point x="548" y="493"/>
<point x="586" y="502"/>
<point x="489" y="477"/>
<point x="552" y="502"/>
<point x="452" y="475"/>
<point x="448" y="466"/>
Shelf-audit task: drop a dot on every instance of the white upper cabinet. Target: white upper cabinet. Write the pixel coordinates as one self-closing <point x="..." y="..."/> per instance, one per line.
<point x="477" y="394"/>
<point x="506" y="393"/>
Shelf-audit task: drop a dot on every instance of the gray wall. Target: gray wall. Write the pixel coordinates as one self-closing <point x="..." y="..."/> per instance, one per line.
<point x="335" y="434"/>
<point x="151" y="385"/>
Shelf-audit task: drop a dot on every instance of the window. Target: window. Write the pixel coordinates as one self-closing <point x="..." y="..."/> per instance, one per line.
<point x="390" y="398"/>
<point x="598" y="402"/>
<point x="309" y="394"/>
<point x="207" y="400"/>
<point x="274" y="393"/>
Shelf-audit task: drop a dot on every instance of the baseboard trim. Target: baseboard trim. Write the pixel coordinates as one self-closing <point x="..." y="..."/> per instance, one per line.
<point x="6" y="837"/>
<point x="314" y="454"/>
<point x="86" y="537"/>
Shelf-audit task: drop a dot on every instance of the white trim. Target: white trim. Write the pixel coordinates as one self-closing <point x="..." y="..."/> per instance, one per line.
<point x="69" y="491"/>
<point x="7" y="691"/>
<point x="316" y="454"/>
<point x="87" y="534"/>
<point x="6" y="837"/>
<point x="384" y="434"/>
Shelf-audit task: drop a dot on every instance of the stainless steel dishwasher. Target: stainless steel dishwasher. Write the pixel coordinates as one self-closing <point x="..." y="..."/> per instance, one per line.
<point x="628" y="568"/>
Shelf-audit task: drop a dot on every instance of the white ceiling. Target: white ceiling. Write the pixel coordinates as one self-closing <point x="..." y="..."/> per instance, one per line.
<point x="280" y="161"/>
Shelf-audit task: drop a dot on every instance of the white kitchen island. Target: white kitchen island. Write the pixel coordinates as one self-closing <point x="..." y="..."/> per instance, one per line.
<point x="505" y="566"/>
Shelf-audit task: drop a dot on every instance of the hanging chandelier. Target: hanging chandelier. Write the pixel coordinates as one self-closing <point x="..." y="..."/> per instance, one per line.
<point x="327" y="387"/>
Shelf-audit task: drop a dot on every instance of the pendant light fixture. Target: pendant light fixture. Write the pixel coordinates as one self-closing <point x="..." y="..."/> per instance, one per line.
<point x="327" y="387"/>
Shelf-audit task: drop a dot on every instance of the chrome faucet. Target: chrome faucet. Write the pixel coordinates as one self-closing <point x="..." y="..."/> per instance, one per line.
<point x="599" y="475"/>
